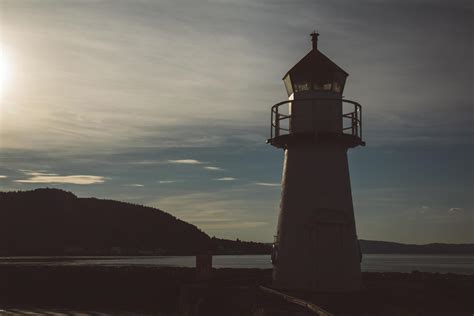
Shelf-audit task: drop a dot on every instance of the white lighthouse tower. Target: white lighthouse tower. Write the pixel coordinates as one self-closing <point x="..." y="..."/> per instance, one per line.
<point x="316" y="246"/>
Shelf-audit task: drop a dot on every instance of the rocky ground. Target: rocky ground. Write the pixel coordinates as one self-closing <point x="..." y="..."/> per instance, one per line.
<point x="152" y="290"/>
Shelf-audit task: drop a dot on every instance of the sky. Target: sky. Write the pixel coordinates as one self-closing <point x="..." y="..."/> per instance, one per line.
<point x="166" y="103"/>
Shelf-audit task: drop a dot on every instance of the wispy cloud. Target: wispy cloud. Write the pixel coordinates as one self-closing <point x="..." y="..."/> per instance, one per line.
<point x="268" y="184"/>
<point x="39" y="174"/>
<point x="146" y="162"/>
<point x="213" y="168"/>
<point x="38" y="177"/>
<point x="225" y="179"/>
<point x="3" y="177"/>
<point x="186" y="161"/>
<point x="138" y="185"/>
<point x="166" y="181"/>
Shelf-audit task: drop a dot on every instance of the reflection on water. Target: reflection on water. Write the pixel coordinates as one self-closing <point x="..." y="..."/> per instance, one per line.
<point x="463" y="264"/>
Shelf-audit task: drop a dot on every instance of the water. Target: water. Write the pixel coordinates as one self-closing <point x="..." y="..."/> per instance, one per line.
<point x="462" y="264"/>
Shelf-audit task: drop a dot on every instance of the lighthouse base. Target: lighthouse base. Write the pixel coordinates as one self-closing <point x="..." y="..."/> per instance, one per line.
<point x="316" y="248"/>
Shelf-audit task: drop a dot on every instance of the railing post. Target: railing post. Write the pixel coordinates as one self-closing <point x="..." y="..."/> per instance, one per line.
<point x="288" y="110"/>
<point x="353" y="124"/>
<point x="271" y="124"/>
<point x="356" y="120"/>
<point x="277" y="123"/>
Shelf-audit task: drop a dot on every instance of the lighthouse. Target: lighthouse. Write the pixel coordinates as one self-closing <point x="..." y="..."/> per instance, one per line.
<point x="316" y="246"/>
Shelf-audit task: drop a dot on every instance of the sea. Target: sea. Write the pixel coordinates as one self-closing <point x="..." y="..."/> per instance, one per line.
<point x="460" y="264"/>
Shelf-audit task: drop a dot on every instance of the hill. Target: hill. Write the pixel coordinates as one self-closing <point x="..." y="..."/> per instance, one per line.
<point x="52" y="222"/>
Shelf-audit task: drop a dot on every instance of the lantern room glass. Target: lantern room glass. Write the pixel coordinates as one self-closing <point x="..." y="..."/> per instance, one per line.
<point x="308" y="85"/>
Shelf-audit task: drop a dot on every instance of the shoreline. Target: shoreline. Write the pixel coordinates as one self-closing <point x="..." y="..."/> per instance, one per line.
<point x="107" y="255"/>
<point x="457" y="264"/>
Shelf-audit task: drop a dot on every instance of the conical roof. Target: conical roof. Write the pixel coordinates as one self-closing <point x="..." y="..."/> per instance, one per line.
<point x="314" y="72"/>
<point x="315" y="63"/>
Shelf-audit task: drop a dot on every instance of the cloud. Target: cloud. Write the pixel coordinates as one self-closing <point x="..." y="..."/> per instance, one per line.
<point x="213" y="168"/>
<point x="455" y="210"/>
<point x="3" y="177"/>
<point x="186" y="161"/>
<point x="268" y="184"/>
<point x="38" y="177"/>
<point x="255" y="56"/>
<point x="225" y="179"/>
<point x="166" y="181"/>
<point x="135" y="185"/>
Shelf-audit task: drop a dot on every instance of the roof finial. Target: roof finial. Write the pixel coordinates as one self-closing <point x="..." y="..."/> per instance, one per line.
<point x="314" y="39"/>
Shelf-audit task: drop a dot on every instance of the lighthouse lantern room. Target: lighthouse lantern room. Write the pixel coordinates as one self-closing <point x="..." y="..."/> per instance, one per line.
<point x="316" y="246"/>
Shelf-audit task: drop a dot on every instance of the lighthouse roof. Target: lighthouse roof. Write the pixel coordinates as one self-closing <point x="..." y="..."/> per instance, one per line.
<point x="315" y="72"/>
<point x="315" y="63"/>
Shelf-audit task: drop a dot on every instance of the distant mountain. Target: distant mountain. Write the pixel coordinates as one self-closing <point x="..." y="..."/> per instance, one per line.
<point x="371" y="246"/>
<point x="56" y="222"/>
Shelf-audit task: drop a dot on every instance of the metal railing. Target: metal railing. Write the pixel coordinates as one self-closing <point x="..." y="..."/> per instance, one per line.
<point x="354" y="118"/>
